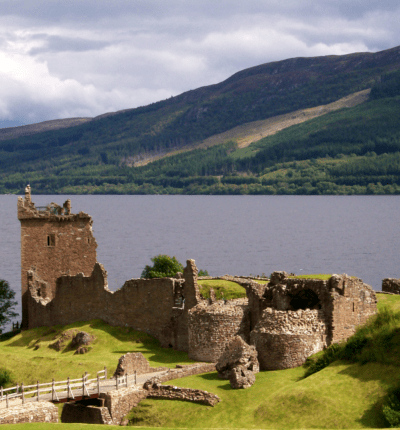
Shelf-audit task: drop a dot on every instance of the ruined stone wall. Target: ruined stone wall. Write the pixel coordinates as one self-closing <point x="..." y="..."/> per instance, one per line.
<point x="391" y="285"/>
<point x="285" y="339"/>
<point x="120" y="402"/>
<point x="212" y="327"/>
<point x="186" y="370"/>
<point x="353" y="302"/>
<point x="171" y="392"/>
<point x="143" y="304"/>
<point x="135" y="362"/>
<point x="35" y="412"/>
<point x="53" y="245"/>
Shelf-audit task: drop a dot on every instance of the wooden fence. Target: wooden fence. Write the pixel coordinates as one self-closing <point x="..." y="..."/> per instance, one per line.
<point x="57" y="391"/>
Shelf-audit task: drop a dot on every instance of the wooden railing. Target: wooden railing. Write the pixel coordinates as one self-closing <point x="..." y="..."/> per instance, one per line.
<point x="57" y="390"/>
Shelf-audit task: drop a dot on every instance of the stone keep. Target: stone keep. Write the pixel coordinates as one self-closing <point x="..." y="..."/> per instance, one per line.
<point x="54" y="242"/>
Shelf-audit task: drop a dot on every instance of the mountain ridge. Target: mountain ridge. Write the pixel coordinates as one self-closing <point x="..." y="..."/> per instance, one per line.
<point x="102" y="149"/>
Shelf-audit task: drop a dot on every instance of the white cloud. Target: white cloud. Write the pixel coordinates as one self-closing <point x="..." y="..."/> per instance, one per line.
<point x="75" y="58"/>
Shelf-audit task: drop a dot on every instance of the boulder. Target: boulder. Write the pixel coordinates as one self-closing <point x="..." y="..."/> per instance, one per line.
<point x="81" y="339"/>
<point x="82" y="350"/>
<point x="237" y="353"/>
<point x="240" y="377"/>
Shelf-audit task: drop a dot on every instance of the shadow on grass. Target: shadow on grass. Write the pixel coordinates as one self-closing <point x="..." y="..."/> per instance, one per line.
<point x="213" y="376"/>
<point x="385" y="373"/>
<point x="373" y="416"/>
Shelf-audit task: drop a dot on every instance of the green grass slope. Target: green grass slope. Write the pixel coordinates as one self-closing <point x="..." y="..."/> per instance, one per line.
<point x="345" y="394"/>
<point x="29" y="358"/>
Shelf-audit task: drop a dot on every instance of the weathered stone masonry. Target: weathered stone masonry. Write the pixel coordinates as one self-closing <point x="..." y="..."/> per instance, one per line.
<point x="391" y="285"/>
<point x="54" y="242"/>
<point x="286" y="320"/>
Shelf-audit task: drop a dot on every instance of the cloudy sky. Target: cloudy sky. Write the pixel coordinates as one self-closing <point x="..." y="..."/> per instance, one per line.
<point x="76" y="58"/>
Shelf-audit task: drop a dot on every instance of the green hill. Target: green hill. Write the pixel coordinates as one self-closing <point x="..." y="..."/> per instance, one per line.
<point x="100" y="155"/>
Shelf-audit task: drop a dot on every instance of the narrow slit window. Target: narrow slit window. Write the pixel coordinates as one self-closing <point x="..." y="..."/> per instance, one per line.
<point x="51" y="240"/>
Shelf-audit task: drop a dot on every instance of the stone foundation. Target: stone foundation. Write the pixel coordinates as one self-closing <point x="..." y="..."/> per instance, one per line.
<point x="32" y="412"/>
<point x="186" y="370"/>
<point x="170" y="392"/>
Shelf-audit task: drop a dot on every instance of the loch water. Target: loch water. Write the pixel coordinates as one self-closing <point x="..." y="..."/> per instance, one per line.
<point x="237" y="235"/>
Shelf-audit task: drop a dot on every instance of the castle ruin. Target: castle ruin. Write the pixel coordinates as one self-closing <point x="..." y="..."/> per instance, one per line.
<point x="287" y="319"/>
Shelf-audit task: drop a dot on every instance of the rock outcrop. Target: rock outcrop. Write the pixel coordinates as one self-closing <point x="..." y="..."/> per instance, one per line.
<point x="238" y="363"/>
<point x="240" y="377"/>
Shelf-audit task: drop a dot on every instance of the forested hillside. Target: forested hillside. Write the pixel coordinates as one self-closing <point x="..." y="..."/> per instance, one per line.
<point x="352" y="150"/>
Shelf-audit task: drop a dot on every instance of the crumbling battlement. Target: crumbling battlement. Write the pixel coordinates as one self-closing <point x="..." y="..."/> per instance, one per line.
<point x="144" y="304"/>
<point x="391" y="285"/>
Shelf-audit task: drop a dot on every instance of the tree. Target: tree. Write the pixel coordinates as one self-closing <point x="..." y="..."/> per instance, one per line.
<point x="7" y="303"/>
<point x="164" y="266"/>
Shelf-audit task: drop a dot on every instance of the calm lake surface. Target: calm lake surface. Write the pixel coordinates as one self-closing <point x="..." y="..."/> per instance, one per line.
<point x="237" y="235"/>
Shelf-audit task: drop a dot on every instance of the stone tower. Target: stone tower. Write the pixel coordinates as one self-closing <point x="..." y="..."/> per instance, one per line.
<point x="54" y="242"/>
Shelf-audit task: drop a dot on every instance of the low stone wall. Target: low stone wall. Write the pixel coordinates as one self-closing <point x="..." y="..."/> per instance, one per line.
<point x="285" y="339"/>
<point x="120" y="402"/>
<point x="187" y="370"/>
<point x="391" y="285"/>
<point x="76" y="413"/>
<point x="35" y="412"/>
<point x="135" y="362"/>
<point x="187" y="394"/>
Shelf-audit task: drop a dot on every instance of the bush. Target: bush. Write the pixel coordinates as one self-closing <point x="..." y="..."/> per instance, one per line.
<point x="5" y="377"/>
<point x="203" y="273"/>
<point x="391" y="408"/>
<point x="7" y="303"/>
<point x="164" y="266"/>
<point x="332" y="353"/>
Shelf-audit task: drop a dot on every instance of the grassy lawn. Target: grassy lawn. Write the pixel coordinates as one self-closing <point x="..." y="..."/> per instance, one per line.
<point x="29" y="357"/>
<point x="343" y="395"/>
<point x="323" y="276"/>
<point x="231" y="290"/>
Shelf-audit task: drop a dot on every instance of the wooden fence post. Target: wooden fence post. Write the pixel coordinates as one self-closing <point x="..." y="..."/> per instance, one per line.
<point x="83" y="386"/>
<point x="17" y="389"/>
<point x="23" y="395"/>
<point x="1" y="393"/>
<point x="52" y="390"/>
<point x="105" y="372"/>
<point x="98" y="384"/>
<point x="68" y="388"/>
<point x="38" y="392"/>
<point x="7" y="400"/>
